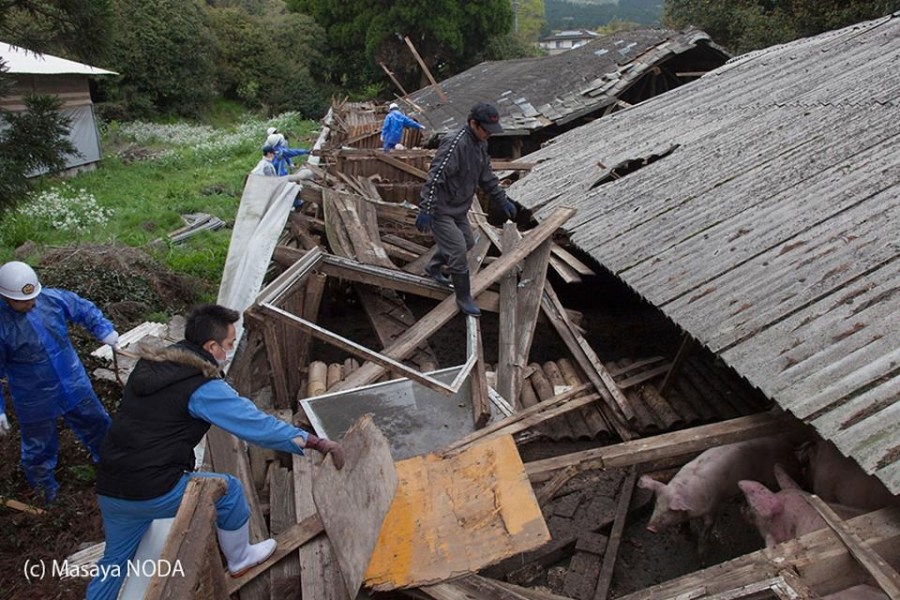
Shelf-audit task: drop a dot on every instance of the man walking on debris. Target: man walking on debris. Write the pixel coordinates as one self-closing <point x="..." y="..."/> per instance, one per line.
<point x="172" y="397"/>
<point x="462" y="162"/>
<point x="394" y="124"/>
<point x="45" y="376"/>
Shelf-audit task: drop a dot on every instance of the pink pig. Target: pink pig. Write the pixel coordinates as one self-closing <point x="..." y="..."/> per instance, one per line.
<point x="702" y="484"/>
<point x="835" y="478"/>
<point x="858" y="592"/>
<point x="787" y="514"/>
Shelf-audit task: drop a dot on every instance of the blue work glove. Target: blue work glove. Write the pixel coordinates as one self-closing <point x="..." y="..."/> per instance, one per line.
<point x="509" y="209"/>
<point x="423" y="222"/>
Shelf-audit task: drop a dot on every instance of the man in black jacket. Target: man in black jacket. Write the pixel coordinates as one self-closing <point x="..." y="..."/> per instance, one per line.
<point x="462" y="162"/>
<point x="147" y="459"/>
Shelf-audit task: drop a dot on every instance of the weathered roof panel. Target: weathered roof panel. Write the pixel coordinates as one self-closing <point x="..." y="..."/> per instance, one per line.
<point x="531" y="93"/>
<point x="770" y="231"/>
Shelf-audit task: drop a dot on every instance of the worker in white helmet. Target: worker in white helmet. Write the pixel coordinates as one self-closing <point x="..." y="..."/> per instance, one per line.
<point x="394" y="124"/>
<point x="45" y="376"/>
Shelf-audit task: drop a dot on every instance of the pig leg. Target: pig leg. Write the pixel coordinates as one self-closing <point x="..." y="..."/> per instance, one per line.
<point x="702" y="529"/>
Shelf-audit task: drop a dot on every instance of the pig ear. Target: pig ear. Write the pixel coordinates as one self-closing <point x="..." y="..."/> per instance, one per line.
<point x="761" y="500"/>
<point x="648" y="483"/>
<point x="784" y="480"/>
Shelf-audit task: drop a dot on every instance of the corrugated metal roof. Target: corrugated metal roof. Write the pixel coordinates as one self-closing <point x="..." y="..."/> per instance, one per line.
<point x="770" y="232"/>
<point x="22" y="61"/>
<point x="532" y="93"/>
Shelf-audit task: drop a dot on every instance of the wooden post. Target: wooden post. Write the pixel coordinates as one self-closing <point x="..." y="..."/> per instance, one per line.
<point x="422" y="64"/>
<point x="394" y="79"/>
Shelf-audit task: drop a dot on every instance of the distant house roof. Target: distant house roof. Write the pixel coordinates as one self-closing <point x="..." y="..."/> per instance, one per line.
<point x="578" y="34"/>
<point x="761" y="214"/>
<point x="533" y="93"/>
<point x="21" y="61"/>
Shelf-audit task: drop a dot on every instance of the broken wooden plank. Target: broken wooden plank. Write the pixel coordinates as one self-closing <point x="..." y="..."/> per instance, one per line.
<point x="196" y="554"/>
<point x="481" y="408"/>
<point x="565" y="272"/>
<point x="508" y="371"/>
<point x="615" y="537"/>
<point x="819" y="558"/>
<point x="456" y="515"/>
<point x="687" y="343"/>
<point x="447" y="309"/>
<point x="570" y="259"/>
<point x="887" y="578"/>
<point x="358" y="350"/>
<point x="399" y="164"/>
<point x="320" y="573"/>
<point x="353" y="502"/>
<point x="524" y="419"/>
<point x="288" y="541"/>
<point x="675" y="443"/>
<point x="284" y="577"/>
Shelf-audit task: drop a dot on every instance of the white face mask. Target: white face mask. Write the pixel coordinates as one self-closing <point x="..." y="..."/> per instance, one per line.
<point x="229" y="355"/>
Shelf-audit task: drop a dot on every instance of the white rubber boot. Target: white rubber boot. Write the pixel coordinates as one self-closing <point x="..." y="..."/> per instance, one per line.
<point x="240" y="554"/>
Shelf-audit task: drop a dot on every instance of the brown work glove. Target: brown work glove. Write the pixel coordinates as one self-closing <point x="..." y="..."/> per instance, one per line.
<point x="327" y="447"/>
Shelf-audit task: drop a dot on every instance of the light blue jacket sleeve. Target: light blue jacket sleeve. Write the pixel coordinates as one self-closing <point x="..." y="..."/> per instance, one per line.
<point x="218" y="403"/>
<point x="408" y="122"/>
<point x="292" y="152"/>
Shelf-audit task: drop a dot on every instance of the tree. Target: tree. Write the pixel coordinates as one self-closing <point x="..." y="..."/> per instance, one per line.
<point x="37" y="138"/>
<point x="449" y="35"/>
<point x="33" y="140"/>
<point x="266" y="61"/>
<point x="166" y="54"/>
<point x="78" y="29"/>
<point x="745" y="25"/>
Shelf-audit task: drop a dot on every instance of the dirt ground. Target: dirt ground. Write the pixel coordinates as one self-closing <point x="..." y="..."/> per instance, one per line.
<point x="127" y="285"/>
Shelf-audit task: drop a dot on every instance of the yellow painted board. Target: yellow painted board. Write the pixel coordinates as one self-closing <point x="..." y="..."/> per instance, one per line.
<point x="452" y="516"/>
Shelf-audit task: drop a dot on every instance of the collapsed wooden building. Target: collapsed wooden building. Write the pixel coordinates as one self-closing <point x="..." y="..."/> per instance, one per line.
<point x="515" y="459"/>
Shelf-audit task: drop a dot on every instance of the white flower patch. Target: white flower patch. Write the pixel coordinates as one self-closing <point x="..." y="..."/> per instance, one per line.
<point x="202" y="138"/>
<point x="66" y="208"/>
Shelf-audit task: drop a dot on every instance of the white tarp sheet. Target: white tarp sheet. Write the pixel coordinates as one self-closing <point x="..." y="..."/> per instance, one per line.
<point x="265" y="206"/>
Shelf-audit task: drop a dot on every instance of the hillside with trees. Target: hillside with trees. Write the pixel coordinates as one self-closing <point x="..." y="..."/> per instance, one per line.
<point x="565" y="14"/>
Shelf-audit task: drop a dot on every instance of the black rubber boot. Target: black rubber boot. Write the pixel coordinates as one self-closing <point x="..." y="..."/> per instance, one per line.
<point x="464" y="295"/>
<point x="438" y="276"/>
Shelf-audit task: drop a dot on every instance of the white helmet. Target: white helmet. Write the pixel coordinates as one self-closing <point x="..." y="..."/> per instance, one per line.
<point x="271" y="130"/>
<point x="392" y="106"/>
<point x="19" y="281"/>
<point x="275" y="139"/>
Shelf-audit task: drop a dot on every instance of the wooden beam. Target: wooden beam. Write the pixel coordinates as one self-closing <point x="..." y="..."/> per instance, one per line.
<point x="886" y="577"/>
<point x="481" y="408"/>
<point x="192" y="545"/>
<point x="434" y="84"/>
<point x="287" y="542"/>
<point x="343" y="343"/>
<point x="676" y="443"/>
<point x="394" y="79"/>
<point x="687" y="342"/>
<point x="399" y="164"/>
<point x="819" y="558"/>
<point x="351" y="270"/>
<point x="508" y="372"/>
<point x="447" y="309"/>
<point x="523" y="419"/>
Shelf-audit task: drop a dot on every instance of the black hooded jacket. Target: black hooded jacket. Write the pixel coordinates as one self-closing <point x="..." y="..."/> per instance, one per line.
<point x="150" y="443"/>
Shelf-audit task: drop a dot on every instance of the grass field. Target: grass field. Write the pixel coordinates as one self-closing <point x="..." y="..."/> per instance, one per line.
<point x="150" y="176"/>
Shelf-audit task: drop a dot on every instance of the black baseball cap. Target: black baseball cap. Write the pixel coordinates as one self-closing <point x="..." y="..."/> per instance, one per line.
<point x="487" y="116"/>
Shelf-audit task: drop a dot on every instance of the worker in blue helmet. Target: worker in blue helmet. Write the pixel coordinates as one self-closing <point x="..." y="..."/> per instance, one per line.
<point x="45" y="376"/>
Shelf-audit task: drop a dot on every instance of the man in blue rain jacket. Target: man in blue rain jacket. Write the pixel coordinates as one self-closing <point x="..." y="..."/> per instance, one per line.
<point x="283" y="154"/>
<point x="45" y="376"/>
<point x="394" y="124"/>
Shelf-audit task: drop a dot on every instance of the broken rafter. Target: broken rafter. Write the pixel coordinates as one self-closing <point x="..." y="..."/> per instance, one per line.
<point x="447" y="309"/>
<point x="666" y="445"/>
